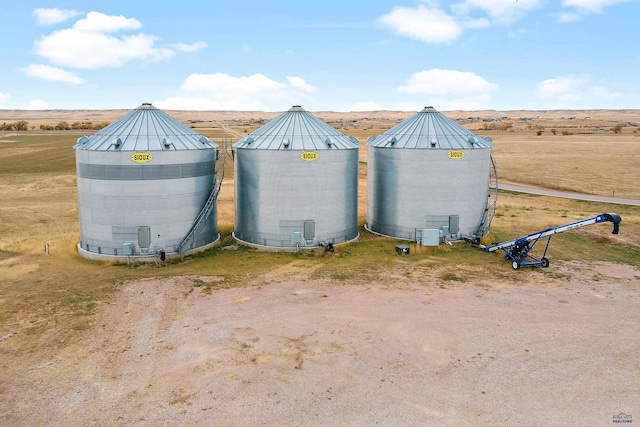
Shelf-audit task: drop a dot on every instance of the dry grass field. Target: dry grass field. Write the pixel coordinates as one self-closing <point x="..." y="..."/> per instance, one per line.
<point x="50" y="305"/>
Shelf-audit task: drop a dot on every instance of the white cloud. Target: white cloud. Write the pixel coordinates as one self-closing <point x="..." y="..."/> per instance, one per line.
<point x="52" y="74"/>
<point x="221" y="91"/>
<point x="447" y="82"/>
<point x="450" y="89"/>
<point x="562" y="87"/>
<point x="564" y="18"/>
<point x="500" y="11"/>
<point x="299" y="83"/>
<point x="592" y="6"/>
<point x="90" y="44"/>
<point x="193" y="47"/>
<point x="366" y="106"/>
<point x="72" y="48"/>
<point x="572" y="91"/>
<point x="430" y="24"/>
<point x="53" y="16"/>
<point x="37" y="104"/>
<point x="4" y="97"/>
<point x="475" y="24"/>
<point x="212" y="83"/>
<point x="584" y="7"/>
<point x="427" y="24"/>
<point x="97" y="22"/>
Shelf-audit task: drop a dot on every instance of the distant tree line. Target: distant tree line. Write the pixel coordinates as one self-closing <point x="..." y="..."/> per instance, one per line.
<point x="21" y="125"/>
<point x="497" y="126"/>
<point x="24" y="125"/>
<point x="75" y="126"/>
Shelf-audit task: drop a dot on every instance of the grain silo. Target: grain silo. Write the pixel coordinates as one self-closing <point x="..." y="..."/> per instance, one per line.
<point x="146" y="189"/>
<point x="296" y="184"/>
<point x="430" y="173"/>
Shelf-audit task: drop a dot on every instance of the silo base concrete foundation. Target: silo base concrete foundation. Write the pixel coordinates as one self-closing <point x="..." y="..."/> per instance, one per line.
<point x="143" y="258"/>
<point x="288" y="248"/>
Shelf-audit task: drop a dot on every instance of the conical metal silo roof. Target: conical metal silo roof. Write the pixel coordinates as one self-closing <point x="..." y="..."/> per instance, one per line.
<point x="145" y="129"/>
<point x="297" y="129"/>
<point x="429" y="129"/>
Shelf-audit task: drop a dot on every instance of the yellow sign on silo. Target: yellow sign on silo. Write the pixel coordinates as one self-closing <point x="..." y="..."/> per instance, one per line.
<point x="455" y="154"/>
<point x="309" y="156"/>
<point x="141" y="157"/>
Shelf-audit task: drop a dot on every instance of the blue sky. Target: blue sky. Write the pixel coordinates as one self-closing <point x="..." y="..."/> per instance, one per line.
<point x="324" y="55"/>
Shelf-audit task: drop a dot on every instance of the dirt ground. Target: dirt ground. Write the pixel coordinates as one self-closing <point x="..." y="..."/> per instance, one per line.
<point x="563" y="351"/>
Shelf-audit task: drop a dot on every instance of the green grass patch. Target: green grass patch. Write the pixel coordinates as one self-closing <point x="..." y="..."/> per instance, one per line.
<point x="46" y="154"/>
<point x="452" y="277"/>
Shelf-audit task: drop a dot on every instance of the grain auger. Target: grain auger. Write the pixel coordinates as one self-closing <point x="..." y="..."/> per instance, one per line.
<point x="519" y="250"/>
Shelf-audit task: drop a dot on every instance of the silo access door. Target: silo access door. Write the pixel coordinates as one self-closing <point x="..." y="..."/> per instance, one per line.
<point x="309" y="230"/>
<point x="144" y="238"/>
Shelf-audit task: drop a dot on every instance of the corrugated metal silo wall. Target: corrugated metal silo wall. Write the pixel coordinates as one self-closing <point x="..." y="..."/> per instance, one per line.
<point x="276" y="192"/>
<point x="118" y="199"/>
<point x="416" y="189"/>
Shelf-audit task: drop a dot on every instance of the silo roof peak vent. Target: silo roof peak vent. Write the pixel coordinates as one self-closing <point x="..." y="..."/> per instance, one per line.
<point x="429" y="109"/>
<point x="301" y="129"/>
<point x="145" y="128"/>
<point x="429" y="129"/>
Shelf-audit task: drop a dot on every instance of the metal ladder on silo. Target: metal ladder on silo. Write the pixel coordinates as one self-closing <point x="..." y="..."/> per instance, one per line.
<point x="204" y="213"/>
<point x="492" y="200"/>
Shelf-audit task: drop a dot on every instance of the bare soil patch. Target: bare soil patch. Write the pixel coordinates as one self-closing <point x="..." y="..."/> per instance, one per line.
<point x="561" y="351"/>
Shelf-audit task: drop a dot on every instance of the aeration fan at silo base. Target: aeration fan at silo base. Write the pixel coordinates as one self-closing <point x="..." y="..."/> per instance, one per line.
<point x="519" y="250"/>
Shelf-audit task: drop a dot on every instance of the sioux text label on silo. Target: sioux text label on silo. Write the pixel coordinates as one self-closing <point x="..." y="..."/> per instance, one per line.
<point x="309" y="156"/>
<point x="141" y="157"/>
<point x="455" y="154"/>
